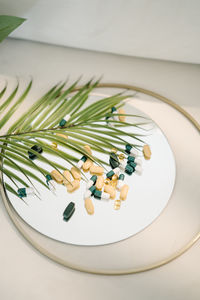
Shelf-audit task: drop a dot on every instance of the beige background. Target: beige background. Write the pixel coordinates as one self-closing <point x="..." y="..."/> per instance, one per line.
<point x="27" y="274"/>
<point x="162" y="29"/>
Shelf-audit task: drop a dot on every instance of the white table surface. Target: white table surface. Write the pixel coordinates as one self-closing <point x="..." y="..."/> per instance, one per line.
<point x="24" y="273"/>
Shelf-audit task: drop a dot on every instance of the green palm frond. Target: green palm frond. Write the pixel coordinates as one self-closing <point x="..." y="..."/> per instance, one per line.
<point x="39" y="125"/>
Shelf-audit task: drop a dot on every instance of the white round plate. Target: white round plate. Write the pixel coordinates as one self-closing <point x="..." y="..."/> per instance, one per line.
<point x="148" y="196"/>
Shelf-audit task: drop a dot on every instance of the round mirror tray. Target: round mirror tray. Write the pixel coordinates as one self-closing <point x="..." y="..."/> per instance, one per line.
<point x="157" y="222"/>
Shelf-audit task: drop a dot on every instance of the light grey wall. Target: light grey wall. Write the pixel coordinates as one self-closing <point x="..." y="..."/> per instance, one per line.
<point x="162" y="29"/>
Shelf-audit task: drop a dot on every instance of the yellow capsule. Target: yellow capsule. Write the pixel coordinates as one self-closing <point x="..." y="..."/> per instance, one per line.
<point x="147" y="152"/>
<point x="54" y="145"/>
<point x="115" y="177"/>
<point x="75" y="184"/>
<point x="117" y="204"/>
<point x="76" y="173"/>
<point x="113" y="183"/>
<point x="96" y="170"/>
<point x="100" y="182"/>
<point x="58" y="177"/>
<point x="110" y="190"/>
<point x="62" y="135"/>
<point x="88" y="149"/>
<point x="107" y="181"/>
<point x="124" y="192"/>
<point x="67" y="177"/>
<point x="87" y="165"/>
<point x="114" y="150"/>
<point x="89" y="206"/>
<point x="121" y="156"/>
<point x="121" y="118"/>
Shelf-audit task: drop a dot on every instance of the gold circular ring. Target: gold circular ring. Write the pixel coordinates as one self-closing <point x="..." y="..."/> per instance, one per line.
<point x="106" y="272"/>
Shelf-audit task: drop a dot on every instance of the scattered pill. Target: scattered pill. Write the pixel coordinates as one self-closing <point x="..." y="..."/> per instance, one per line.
<point x="121" y="177"/>
<point x="110" y="174"/>
<point x="87" y="165"/>
<point x="132" y="164"/>
<point x="120" y="182"/>
<point x="96" y="170"/>
<point x="50" y="182"/>
<point x="89" y="206"/>
<point x="130" y="150"/>
<point x="62" y="135"/>
<point x="76" y="173"/>
<point x="131" y="158"/>
<point x="115" y="177"/>
<point x="138" y="161"/>
<point x="90" y="192"/>
<point x="129" y="170"/>
<point x="113" y="183"/>
<point x="121" y="156"/>
<point x="54" y="145"/>
<point x="81" y="162"/>
<point x="147" y="152"/>
<point x="117" y="204"/>
<point x="88" y="149"/>
<point x="110" y="190"/>
<point x="75" y="184"/>
<point x="138" y="170"/>
<point x="134" y="159"/>
<point x="107" y="181"/>
<point x="113" y="172"/>
<point x="67" y="177"/>
<point x="92" y="181"/>
<point x="24" y="192"/>
<point x="122" y="165"/>
<point x="114" y="150"/>
<point x="114" y="162"/>
<point x="133" y="152"/>
<point x="36" y="148"/>
<point x="100" y="182"/>
<point x="114" y="111"/>
<point x="64" y="120"/>
<point x="121" y="118"/>
<point x="101" y="195"/>
<point x="124" y="192"/>
<point x="57" y="176"/>
<point x="69" y="211"/>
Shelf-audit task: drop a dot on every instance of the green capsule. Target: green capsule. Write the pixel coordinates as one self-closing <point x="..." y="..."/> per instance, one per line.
<point x="110" y="174"/>
<point x="97" y="194"/>
<point x="132" y="164"/>
<point x="128" y="148"/>
<point x="114" y="162"/>
<point x="113" y="109"/>
<point x="62" y="122"/>
<point x="131" y="159"/>
<point x="69" y="211"/>
<point x="22" y="192"/>
<point x="48" y="178"/>
<point x="121" y="177"/>
<point x="92" y="189"/>
<point x="84" y="158"/>
<point x="94" y="178"/>
<point x="36" y="148"/>
<point x="129" y="170"/>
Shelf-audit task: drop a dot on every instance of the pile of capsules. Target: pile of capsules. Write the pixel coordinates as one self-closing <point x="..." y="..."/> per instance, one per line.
<point x="99" y="186"/>
<point x="106" y="188"/>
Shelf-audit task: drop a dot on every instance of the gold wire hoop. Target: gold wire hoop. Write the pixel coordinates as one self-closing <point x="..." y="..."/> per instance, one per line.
<point x="60" y="261"/>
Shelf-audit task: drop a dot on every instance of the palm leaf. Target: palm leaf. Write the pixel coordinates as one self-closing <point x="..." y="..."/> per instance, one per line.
<point x="39" y="125"/>
<point x="8" y="24"/>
